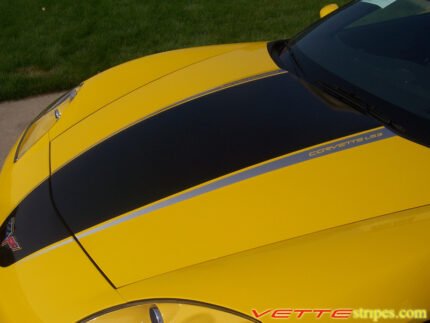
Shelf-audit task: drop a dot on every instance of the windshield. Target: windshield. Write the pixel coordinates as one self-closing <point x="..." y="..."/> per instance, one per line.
<point x="378" y="50"/>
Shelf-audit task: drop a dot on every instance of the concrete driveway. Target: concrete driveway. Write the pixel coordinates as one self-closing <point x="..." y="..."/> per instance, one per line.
<point x="16" y="115"/>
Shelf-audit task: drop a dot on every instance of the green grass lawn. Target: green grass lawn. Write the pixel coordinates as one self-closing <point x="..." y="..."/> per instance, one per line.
<point x="50" y="45"/>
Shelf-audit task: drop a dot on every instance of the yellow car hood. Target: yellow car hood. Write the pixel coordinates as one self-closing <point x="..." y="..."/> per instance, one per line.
<point x="346" y="172"/>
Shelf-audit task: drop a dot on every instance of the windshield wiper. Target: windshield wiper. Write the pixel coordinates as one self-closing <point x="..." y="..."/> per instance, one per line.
<point x="356" y="102"/>
<point x="344" y="96"/>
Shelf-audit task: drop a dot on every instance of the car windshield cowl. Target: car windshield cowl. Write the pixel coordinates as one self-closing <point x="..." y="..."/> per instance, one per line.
<point x="374" y="57"/>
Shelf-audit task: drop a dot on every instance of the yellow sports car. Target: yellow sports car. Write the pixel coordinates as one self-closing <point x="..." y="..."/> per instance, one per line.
<point x="236" y="183"/>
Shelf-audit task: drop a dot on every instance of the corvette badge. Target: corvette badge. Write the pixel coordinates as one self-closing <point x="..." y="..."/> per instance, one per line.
<point x="10" y="239"/>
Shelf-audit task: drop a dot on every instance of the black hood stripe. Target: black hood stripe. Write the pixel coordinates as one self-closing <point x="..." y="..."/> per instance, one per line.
<point x="201" y="139"/>
<point x="196" y="142"/>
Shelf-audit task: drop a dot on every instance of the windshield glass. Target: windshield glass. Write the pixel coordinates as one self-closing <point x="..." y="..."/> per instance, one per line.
<point x="379" y="50"/>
